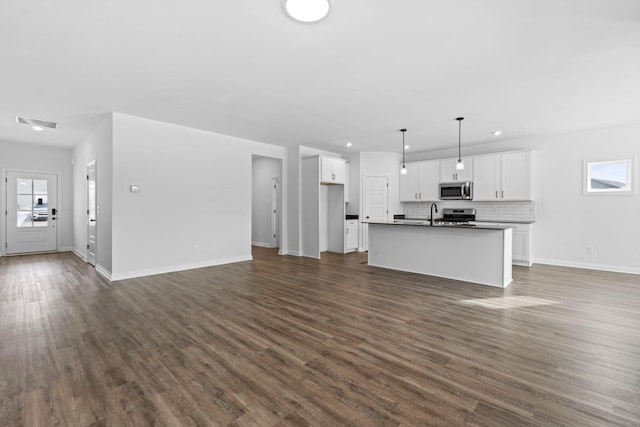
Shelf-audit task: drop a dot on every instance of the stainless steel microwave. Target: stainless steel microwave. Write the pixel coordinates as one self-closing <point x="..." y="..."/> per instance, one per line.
<point x="462" y="190"/>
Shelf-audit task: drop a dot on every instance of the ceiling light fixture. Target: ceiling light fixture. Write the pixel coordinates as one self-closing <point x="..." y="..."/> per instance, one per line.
<point x="37" y="128"/>
<point x="307" y="10"/>
<point x="497" y="132"/>
<point x="403" y="171"/>
<point x="349" y="144"/>
<point x="460" y="164"/>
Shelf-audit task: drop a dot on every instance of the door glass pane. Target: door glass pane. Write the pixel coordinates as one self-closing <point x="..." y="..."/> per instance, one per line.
<point x="31" y="204"/>
<point x="40" y="212"/>
<point x="24" y="206"/>
<point x="40" y="186"/>
<point x="24" y="186"/>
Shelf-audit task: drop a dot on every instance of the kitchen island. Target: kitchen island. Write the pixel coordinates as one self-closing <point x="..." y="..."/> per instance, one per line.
<point x="478" y="254"/>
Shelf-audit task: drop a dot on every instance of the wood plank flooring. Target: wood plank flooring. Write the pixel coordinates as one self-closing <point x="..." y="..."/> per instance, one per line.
<point x="288" y="341"/>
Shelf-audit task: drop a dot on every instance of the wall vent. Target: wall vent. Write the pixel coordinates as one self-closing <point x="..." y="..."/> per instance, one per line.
<point x="36" y="122"/>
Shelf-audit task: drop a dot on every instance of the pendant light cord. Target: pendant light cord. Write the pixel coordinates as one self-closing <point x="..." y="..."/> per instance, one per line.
<point x="403" y="131"/>
<point x="459" y="119"/>
<point x="459" y="144"/>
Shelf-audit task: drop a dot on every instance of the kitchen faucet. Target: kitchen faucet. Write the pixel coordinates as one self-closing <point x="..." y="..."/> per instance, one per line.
<point x="433" y="205"/>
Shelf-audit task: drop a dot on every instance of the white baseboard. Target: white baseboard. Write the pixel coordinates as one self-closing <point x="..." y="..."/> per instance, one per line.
<point x="260" y="244"/>
<point x="79" y="255"/>
<point x="602" y="267"/>
<point x="103" y="272"/>
<point x="177" y="267"/>
<point x="66" y="249"/>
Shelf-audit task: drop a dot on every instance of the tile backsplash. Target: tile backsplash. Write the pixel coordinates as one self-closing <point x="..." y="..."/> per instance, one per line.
<point x="485" y="211"/>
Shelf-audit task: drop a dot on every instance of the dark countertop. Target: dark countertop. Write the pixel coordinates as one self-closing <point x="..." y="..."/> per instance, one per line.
<point x="503" y="221"/>
<point x="426" y="223"/>
<point x="351" y="216"/>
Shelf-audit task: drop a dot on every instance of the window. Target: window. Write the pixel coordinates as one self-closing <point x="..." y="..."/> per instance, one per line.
<point x="610" y="177"/>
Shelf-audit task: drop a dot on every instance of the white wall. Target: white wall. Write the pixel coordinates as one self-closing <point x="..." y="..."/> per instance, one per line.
<point x="566" y="220"/>
<point x="194" y="204"/>
<point x="41" y="158"/>
<point x="98" y="145"/>
<point x="263" y="170"/>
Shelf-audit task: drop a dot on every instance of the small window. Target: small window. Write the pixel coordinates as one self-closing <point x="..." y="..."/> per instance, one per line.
<point x="610" y="177"/>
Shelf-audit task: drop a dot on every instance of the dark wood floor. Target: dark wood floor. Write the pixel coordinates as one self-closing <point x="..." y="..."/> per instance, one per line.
<point x="293" y="341"/>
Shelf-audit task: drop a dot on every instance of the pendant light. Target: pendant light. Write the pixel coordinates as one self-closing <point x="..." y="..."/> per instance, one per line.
<point x="460" y="164"/>
<point x="403" y="171"/>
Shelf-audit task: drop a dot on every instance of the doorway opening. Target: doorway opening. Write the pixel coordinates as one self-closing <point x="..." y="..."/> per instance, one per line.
<point x="266" y="202"/>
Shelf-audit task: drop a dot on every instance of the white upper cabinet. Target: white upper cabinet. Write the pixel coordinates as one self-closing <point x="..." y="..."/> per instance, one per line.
<point x="516" y="176"/>
<point x="502" y="177"/>
<point x="332" y="170"/>
<point x="420" y="184"/>
<point x="486" y="178"/>
<point x="448" y="172"/>
<point x="409" y="183"/>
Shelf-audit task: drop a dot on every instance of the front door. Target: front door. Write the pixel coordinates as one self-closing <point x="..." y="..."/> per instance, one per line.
<point x="92" y="241"/>
<point x="31" y="212"/>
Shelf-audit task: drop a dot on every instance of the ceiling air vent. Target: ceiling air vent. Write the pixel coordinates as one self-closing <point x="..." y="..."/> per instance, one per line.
<point x="36" y="122"/>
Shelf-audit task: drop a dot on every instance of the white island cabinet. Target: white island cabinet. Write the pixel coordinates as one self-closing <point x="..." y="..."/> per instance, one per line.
<point x="479" y="254"/>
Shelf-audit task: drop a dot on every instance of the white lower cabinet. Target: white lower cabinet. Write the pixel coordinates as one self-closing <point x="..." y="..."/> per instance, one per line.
<point x="521" y="242"/>
<point x="351" y="235"/>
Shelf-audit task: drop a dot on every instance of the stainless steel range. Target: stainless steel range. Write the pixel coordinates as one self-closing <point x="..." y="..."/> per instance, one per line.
<point x="456" y="217"/>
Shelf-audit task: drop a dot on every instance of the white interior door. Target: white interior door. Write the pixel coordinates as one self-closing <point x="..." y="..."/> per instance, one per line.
<point x="92" y="217"/>
<point x="375" y="203"/>
<point x="31" y="212"/>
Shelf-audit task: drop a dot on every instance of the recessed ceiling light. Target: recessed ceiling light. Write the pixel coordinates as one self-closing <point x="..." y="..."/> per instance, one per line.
<point x="307" y="10"/>
<point x="349" y="144"/>
<point x="37" y="128"/>
<point x="406" y="147"/>
<point x="497" y="132"/>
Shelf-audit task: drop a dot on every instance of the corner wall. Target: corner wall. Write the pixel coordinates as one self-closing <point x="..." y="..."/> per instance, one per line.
<point x="194" y="205"/>
<point x="97" y="146"/>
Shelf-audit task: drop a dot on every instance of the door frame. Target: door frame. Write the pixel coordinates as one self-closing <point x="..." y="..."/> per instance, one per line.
<point x="93" y="163"/>
<point x="276" y="211"/>
<point x="4" y="206"/>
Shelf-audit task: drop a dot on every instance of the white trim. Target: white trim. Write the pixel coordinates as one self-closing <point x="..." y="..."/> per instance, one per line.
<point x="601" y="267"/>
<point x="261" y="244"/>
<point x="178" y="267"/>
<point x="103" y="272"/>
<point x="79" y="255"/>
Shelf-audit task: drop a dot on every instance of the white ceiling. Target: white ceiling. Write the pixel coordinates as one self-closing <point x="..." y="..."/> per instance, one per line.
<point x="243" y="68"/>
